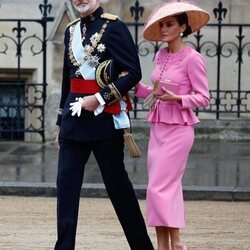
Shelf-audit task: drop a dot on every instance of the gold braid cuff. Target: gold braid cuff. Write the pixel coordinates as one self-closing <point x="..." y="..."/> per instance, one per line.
<point x="115" y="92"/>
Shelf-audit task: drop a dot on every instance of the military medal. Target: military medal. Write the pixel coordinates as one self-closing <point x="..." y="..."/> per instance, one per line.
<point x="84" y="29"/>
<point x="89" y="58"/>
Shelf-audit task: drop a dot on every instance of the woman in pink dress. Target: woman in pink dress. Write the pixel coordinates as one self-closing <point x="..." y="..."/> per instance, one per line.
<point x="180" y="74"/>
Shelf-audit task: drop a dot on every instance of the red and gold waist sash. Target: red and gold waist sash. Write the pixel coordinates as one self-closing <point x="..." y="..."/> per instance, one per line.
<point x="82" y="86"/>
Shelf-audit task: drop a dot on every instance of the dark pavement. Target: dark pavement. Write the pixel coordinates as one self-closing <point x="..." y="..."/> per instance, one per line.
<point x="215" y="170"/>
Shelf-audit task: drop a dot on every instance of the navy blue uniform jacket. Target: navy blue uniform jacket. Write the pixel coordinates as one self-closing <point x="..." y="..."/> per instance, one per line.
<point x="121" y="49"/>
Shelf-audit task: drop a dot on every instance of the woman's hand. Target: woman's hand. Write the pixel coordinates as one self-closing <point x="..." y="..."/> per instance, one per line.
<point x="123" y="73"/>
<point x="169" y="96"/>
<point x="136" y="87"/>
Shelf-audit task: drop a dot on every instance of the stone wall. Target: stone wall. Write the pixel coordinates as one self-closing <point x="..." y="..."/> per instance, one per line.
<point x="238" y="12"/>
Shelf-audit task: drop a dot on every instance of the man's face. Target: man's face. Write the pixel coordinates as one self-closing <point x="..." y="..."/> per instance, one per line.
<point x="85" y="6"/>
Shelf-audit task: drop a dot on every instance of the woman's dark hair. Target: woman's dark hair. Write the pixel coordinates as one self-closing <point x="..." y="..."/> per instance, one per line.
<point x="183" y="19"/>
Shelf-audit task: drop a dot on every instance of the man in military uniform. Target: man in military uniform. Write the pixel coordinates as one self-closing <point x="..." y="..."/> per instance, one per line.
<point x="101" y="65"/>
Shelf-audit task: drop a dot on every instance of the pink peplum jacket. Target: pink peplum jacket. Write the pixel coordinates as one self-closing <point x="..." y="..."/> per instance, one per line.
<point x="187" y="69"/>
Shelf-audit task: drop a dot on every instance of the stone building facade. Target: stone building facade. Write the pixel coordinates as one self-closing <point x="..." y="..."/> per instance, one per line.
<point x="63" y="13"/>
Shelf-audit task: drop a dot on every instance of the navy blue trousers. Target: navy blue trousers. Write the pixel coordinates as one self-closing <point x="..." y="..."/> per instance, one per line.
<point x="109" y="155"/>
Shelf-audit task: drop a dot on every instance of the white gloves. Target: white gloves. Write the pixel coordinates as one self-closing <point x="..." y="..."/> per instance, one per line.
<point x="76" y="107"/>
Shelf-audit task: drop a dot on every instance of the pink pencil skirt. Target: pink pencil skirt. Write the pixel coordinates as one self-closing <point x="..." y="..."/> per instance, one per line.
<point x="168" y="151"/>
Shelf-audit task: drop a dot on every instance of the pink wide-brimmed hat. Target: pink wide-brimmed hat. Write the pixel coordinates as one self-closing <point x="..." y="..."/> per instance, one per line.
<point x="197" y="17"/>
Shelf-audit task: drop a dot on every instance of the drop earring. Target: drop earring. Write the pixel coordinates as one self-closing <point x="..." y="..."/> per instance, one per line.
<point x="181" y="34"/>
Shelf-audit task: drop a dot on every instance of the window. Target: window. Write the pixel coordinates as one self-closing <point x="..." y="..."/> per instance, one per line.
<point x="12" y="100"/>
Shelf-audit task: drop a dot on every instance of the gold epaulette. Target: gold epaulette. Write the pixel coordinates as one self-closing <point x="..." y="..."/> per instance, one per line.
<point x="109" y="16"/>
<point x="73" y="22"/>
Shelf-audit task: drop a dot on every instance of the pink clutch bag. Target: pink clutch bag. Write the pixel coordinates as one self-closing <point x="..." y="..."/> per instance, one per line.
<point x="168" y="85"/>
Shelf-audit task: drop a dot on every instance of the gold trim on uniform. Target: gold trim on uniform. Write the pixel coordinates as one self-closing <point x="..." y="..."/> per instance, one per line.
<point x="102" y="79"/>
<point x="109" y="16"/>
<point x="105" y="73"/>
<point x="89" y="49"/>
<point x="73" y="22"/>
<point x="116" y="93"/>
<point x="107" y="96"/>
<point x="101" y="70"/>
